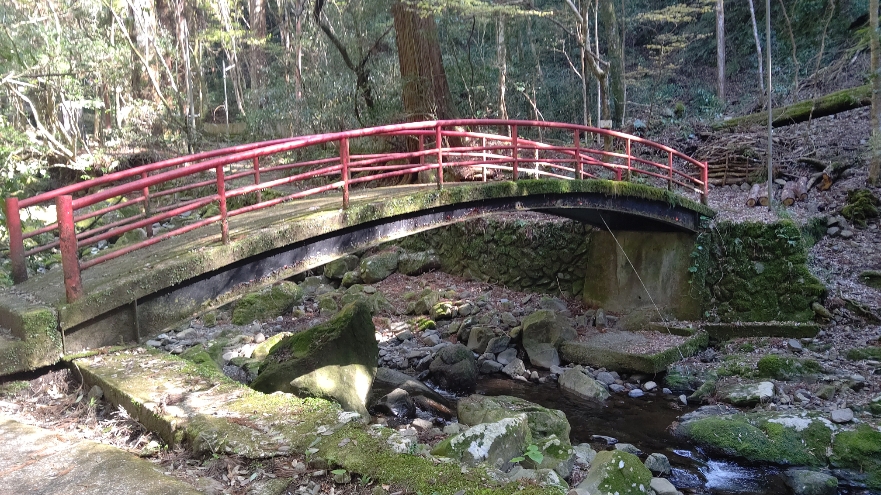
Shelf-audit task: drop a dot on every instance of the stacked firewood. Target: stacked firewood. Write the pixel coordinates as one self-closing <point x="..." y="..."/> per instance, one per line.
<point x="734" y="158"/>
<point x="793" y="190"/>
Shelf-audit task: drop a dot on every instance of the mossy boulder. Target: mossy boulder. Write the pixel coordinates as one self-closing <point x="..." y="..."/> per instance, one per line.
<point x="744" y="394"/>
<point x="786" y="368"/>
<point x="454" y="368"/>
<point x="786" y="440"/>
<point x="418" y="263"/>
<point x="861" y="206"/>
<point x="334" y="360"/>
<point x="543" y="333"/>
<point x="576" y="382"/>
<point x="549" y="429"/>
<point x="859" y="450"/>
<point x="495" y="443"/>
<point x="379" y="266"/>
<point x="807" y="482"/>
<point x="615" y="472"/>
<point x="336" y="269"/>
<point x="268" y="303"/>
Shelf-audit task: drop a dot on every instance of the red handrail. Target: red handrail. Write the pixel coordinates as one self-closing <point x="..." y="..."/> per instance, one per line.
<point x="457" y="143"/>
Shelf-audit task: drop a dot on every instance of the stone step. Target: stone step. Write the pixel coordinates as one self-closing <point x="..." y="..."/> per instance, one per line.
<point x="632" y="351"/>
<point x="29" y="338"/>
<point x="725" y="331"/>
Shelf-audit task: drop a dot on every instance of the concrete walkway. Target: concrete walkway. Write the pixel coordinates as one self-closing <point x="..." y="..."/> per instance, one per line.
<point x="38" y="461"/>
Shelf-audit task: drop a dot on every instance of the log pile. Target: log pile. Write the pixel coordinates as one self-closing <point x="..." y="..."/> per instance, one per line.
<point x="735" y="158"/>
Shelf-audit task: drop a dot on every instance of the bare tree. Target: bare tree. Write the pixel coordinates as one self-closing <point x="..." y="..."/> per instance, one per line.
<point x="875" y="165"/>
<point x="720" y="48"/>
<point x="752" y="17"/>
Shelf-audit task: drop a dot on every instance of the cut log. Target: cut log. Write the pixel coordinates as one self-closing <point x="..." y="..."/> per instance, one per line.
<point x="839" y="101"/>
<point x="763" y="195"/>
<point x="753" y="197"/>
<point x="829" y="175"/>
<point x="787" y="195"/>
<point x="801" y="188"/>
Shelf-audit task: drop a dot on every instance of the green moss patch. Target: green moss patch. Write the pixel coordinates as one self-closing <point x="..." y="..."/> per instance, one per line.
<point x="785" y="368"/>
<point x="861" y="206"/>
<point x="269" y="303"/>
<point x="864" y="353"/>
<point x="859" y="450"/>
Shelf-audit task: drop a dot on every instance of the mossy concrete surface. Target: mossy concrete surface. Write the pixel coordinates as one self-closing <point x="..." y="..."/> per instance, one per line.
<point x="200" y="406"/>
<point x="34" y="460"/>
<point x="605" y="351"/>
<point x="35" y="339"/>
<point x="785" y="329"/>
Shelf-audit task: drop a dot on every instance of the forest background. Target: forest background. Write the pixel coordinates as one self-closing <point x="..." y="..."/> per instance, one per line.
<point x="87" y="86"/>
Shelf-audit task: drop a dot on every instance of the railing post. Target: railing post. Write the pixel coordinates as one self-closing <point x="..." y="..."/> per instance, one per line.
<point x="421" y="149"/>
<point x="257" y="178"/>
<point x="221" y="195"/>
<point x="579" y="167"/>
<point x="514" y="151"/>
<point x="16" y="242"/>
<point x="670" y="166"/>
<point x="627" y="150"/>
<point x="344" y="161"/>
<point x="483" y="155"/>
<point x="146" y="193"/>
<point x="70" y="262"/>
<point x="438" y="136"/>
<point x="706" y="178"/>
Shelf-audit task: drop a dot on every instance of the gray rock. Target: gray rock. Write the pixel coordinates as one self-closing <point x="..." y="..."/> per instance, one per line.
<point x="637" y="392"/>
<point x="615" y="387"/>
<point x="336" y="269"/>
<point x="95" y="393"/>
<point x="846" y="234"/>
<point x="842" y="415"/>
<point x="515" y="368"/>
<point x="662" y="486"/>
<point x="154" y="343"/>
<point x="507" y="356"/>
<point x="794" y="345"/>
<point x="489" y="367"/>
<point x="479" y="338"/>
<point x="397" y="403"/>
<point x="418" y="263"/>
<point x="832" y="231"/>
<point x="649" y="386"/>
<point x="379" y="266"/>
<point x="543" y="355"/>
<point x="576" y="382"/>
<point x="495" y="443"/>
<point x="351" y="278"/>
<point x="629" y="448"/>
<point x="404" y="336"/>
<point x="603" y="438"/>
<point x="606" y="377"/>
<point x="806" y="482"/>
<point x="600" y="319"/>
<point x="454" y="368"/>
<point x="615" y="471"/>
<point x="584" y="453"/>
<point x="658" y="464"/>
<point x="498" y="344"/>
<point x="509" y="319"/>
<point x="553" y="304"/>
<point x="745" y="394"/>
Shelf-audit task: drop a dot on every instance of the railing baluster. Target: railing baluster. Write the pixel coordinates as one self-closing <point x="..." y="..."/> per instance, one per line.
<point x="438" y="136"/>
<point x="16" y="242"/>
<point x="421" y="150"/>
<point x="579" y="166"/>
<point x="670" y="166"/>
<point x="706" y="179"/>
<point x="257" y="178"/>
<point x="70" y="263"/>
<point x="627" y="150"/>
<point x="514" y="151"/>
<point x="483" y="156"/>
<point x="221" y="195"/>
<point x="344" y="161"/>
<point x="146" y="193"/>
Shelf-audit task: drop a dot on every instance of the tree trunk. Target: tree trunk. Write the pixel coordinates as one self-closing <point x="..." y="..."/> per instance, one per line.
<point x="720" y="49"/>
<point x="839" y="101"/>
<point x="875" y="165"/>
<point x="801" y="189"/>
<point x="502" y="53"/>
<point x="763" y="195"/>
<point x="142" y="29"/>
<point x="616" y="61"/>
<point x="257" y="62"/>
<point x="752" y="17"/>
<point x="426" y="94"/>
<point x="787" y="195"/>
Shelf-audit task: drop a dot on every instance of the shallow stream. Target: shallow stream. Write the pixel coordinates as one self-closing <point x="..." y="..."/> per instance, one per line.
<point x="644" y="422"/>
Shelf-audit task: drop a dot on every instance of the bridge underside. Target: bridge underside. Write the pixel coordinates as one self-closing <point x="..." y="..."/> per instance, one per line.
<point x="173" y="280"/>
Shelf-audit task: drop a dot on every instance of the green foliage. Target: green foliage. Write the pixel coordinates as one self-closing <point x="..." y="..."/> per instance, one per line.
<point x="864" y="353"/>
<point x="533" y="453"/>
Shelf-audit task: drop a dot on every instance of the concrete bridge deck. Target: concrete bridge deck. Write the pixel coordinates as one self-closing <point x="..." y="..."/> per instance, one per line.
<point x="138" y="295"/>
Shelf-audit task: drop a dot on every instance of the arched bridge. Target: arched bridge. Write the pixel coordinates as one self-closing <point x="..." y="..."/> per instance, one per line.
<point x="145" y="247"/>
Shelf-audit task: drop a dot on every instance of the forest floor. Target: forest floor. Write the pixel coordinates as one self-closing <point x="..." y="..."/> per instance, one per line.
<point x="55" y="400"/>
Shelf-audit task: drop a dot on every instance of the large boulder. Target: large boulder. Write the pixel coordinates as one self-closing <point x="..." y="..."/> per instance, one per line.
<point x="494" y="443"/>
<point x="479" y="338"/>
<point x="418" y="263"/>
<point x="615" y="472"/>
<point x="336" y="269"/>
<point x="379" y="266"/>
<point x="454" y="368"/>
<point x="806" y="482"/>
<point x="549" y="429"/>
<point x="334" y="360"/>
<point x="745" y="394"/>
<point x="543" y="330"/>
<point x="578" y="383"/>
<point x="268" y="303"/>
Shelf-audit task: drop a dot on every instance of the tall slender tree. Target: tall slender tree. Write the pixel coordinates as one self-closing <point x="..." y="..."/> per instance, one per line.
<point x="875" y="47"/>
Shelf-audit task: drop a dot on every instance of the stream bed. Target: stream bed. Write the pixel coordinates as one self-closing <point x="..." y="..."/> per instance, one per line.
<point x="644" y="422"/>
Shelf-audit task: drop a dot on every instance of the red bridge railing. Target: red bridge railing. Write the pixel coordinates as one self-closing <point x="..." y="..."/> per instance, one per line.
<point x="310" y="165"/>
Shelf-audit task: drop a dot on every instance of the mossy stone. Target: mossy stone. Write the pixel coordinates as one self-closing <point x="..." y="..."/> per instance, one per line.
<point x="268" y="303"/>
<point x="335" y="360"/>
<point x="336" y="269"/>
<point x="861" y="206"/>
<point x="785" y="368"/>
<point x="615" y="472"/>
<point x="859" y="450"/>
<point x="379" y="266"/>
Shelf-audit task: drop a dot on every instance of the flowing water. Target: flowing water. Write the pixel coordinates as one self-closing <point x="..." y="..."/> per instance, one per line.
<point x="645" y="422"/>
